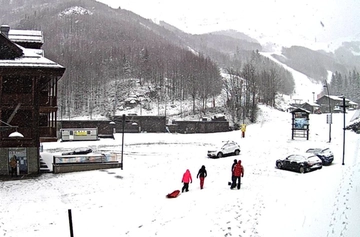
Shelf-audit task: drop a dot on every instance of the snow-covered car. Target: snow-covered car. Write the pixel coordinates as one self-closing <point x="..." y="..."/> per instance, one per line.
<point x="300" y="162"/>
<point x="79" y="151"/>
<point x="224" y="149"/>
<point x="325" y="154"/>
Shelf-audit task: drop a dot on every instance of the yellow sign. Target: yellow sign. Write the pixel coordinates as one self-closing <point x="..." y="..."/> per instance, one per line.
<point x="243" y="127"/>
<point x="80" y="133"/>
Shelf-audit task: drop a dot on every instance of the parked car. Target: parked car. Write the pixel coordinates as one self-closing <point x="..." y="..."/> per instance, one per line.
<point x="318" y="111"/>
<point x="300" y="162"/>
<point x="337" y="109"/>
<point x="225" y="148"/>
<point x="325" y="154"/>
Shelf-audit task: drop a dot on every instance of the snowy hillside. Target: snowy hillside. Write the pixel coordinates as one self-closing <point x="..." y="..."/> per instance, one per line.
<point x="306" y="90"/>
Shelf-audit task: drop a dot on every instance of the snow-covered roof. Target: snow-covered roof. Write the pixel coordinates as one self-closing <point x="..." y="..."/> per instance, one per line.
<point x="30" y="58"/>
<point x="312" y="104"/>
<point x="335" y="97"/>
<point x="355" y="117"/>
<point x="298" y="109"/>
<point x="26" y="57"/>
<point x="352" y="103"/>
<point x="31" y="36"/>
<point x="339" y="98"/>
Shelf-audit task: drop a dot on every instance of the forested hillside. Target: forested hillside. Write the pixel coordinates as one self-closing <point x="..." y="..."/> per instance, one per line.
<point x="108" y="52"/>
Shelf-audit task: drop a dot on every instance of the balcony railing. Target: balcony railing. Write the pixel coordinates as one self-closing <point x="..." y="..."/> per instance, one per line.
<point x="10" y="99"/>
<point x="27" y="99"/>
<point x="48" y="101"/>
<point x="47" y="132"/>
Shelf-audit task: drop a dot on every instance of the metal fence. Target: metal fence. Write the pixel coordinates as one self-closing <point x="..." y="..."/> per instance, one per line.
<point x="87" y="158"/>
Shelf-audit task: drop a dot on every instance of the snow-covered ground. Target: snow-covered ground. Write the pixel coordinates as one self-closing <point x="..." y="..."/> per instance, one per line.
<point x="131" y="202"/>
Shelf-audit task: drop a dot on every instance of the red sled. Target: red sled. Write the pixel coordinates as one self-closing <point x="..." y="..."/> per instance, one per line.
<point x="173" y="194"/>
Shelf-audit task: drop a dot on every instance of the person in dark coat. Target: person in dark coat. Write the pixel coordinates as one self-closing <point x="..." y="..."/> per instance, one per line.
<point x="186" y="180"/>
<point x="238" y="172"/>
<point x="232" y="171"/>
<point x="202" y="174"/>
<point x="233" y="165"/>
<point x="13" y="166"/>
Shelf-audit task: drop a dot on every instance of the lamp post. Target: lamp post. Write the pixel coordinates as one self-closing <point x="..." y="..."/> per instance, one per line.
<point x="343" y="158"/>
<point x="122" y="143"/>
<point x="329" y="120"/>
<point x="344" y="128"/>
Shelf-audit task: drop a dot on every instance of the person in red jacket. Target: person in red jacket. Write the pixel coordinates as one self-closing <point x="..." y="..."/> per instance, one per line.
<point x="238" y="172"/>
<point x="186" y="180"/>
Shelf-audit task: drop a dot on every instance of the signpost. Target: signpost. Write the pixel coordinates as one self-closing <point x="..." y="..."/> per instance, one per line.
<point x="122" y="143"/>
<point x="329" y="116"/>
<point x="344" y="106"/>
<point x="243" y="129"/>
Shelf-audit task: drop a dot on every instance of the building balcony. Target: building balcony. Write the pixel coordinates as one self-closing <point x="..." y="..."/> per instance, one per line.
<point x="46" y="134"/>
<point x="28" y="100"/>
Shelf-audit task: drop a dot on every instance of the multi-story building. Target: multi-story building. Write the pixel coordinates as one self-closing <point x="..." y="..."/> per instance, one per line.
<point x="28" y="99"/>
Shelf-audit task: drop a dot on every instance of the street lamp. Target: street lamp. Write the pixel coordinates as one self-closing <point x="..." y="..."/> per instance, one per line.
<point x="329" y="120"/>
<point x="122" y="143"/>
<point x="13" y="134"/>
<point x="344" y="106"/>
<point x="16" y="134"/>
<point x="313" y="96"/>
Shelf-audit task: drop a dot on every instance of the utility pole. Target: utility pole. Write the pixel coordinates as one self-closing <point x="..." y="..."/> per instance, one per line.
<point x="344" y="128"/>
<point x="329" y="118"/>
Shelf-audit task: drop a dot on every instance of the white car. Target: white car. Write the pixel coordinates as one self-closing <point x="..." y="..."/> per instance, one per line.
<point x="225" y="148"/>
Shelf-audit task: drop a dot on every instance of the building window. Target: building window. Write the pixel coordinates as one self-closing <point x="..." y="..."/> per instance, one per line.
<point x="22" y="118"/>
<point x="17" y="85"/>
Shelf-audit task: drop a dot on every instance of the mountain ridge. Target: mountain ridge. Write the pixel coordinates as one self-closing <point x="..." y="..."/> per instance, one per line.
<point x="98" y="45"/>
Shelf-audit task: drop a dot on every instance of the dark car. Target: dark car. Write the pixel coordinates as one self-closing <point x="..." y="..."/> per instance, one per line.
<point x="318" y="111"/>
<point x="300" y="162"/>
<point x="325" y="154"/>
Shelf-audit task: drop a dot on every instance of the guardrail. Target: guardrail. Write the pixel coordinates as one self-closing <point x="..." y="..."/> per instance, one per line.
<point x="92" y="161"/>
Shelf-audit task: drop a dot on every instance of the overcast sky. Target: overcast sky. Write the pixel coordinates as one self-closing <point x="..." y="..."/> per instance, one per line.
<point x="288" y="21"/>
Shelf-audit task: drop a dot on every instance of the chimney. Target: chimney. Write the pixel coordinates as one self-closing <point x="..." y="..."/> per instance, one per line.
<point x="5" y="30"/>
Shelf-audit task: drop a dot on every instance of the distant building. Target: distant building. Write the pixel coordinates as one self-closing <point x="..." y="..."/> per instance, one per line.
<point x="311" y="107"/>
<point x="28" y="98"/>
<point x="335" y="103"/>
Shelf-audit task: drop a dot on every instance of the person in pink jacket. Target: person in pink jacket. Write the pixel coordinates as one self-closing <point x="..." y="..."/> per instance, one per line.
<point x="186" y="180"/>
